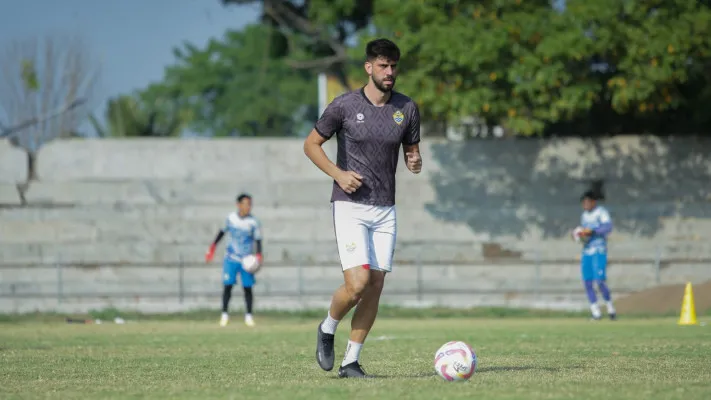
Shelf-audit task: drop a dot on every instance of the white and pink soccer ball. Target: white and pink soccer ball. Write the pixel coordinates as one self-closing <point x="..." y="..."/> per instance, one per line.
<point x="576" y="234"/>
<point x="455" y="361"/>
<point x="251" y="264"/>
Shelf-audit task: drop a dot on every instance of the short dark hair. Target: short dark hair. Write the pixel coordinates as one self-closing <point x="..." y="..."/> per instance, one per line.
<point x="382" y="48"/>
<point x="243" y="196"/>
<point x="592" y="195"/>
<point x="589" y="194"/>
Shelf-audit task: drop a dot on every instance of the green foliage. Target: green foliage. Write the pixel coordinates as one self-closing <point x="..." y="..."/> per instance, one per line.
<point x="29" y="76"/>
<point x="235" y="86"/>
<point x="127" y="117"/>
<point x="315" y="34"/>
<point x="659" y="51"/>
<point x="528" y="66"/>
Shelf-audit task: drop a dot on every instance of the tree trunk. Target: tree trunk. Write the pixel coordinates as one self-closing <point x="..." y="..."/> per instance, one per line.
<point x="31" y="176"/>
<point x="32" y="167"/>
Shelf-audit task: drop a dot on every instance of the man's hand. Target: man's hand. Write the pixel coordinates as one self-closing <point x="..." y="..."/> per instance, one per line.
<point x="260" y="259"/>
<point x="210" y="254"/>
<point x="349" y="181"/>
<point x="414" y="162"/>
<point x="586" y="232"/>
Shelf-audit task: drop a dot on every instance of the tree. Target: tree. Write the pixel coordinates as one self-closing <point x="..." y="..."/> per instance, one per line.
<point x="314" y="34"/>
<point x="460" y="58"/>
<point x="126" y="116"/>
<point x="45" y="89"/>
<point x="609" y="64"/>
<point x="234" y="86"/>
<point x="652" y="62"/>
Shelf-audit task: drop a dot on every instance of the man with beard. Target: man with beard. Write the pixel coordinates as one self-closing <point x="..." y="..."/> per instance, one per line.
<point x="371" y="124"/>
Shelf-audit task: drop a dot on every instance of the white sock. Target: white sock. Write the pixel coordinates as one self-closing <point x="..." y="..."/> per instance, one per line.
<point x="352" y="353"/>
<point x="224" y="315"/>
<point x="248" y="316"/>
<point x="610" y="308"/>
<point x="595" y="309"/>
<point x="329" y="325"/>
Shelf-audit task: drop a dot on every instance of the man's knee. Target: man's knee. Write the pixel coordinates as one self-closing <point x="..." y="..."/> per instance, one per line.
<point x="357" y="280"/>
<point x="376" y="282"/>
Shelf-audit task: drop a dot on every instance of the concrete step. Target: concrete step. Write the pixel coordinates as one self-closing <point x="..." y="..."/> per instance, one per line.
<point x="427" y="232"/>
<point x="461" y="197"/>
<point x="283" y="158"/>
<point x="322" y="252"/>
<point x="150" y="192"/>
<point x="8" y="195"/>
<point x="499" y="224"/>
<point x="193" y="159"/>
<point x="164" y="230"/>
<point x="155" y="281"/>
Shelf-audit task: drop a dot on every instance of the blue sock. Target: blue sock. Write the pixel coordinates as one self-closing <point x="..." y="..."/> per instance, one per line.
<point x="592" y="297"/>
<point x="604" y="290"/>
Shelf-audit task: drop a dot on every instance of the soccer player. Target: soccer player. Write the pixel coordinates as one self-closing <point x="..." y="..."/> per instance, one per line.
<point x="371" y="124"/>
<point x="595" y="225"/>
<point x="245" y="238"/>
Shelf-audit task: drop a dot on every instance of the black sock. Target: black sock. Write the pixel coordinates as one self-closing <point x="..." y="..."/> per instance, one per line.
<point x="226" y="294"/>
<point x="248" y="298"/>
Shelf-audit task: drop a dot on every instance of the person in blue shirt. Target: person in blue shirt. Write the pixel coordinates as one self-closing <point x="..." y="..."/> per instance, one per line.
<point x="245" y="238"/>
<point x="595" y="226"/>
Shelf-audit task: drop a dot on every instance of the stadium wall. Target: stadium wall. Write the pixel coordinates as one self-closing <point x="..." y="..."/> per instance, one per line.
<point x="123" y="206"/>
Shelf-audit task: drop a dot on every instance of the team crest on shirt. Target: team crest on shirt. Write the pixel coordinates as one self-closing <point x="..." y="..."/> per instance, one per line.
<point x="398" y="117"/>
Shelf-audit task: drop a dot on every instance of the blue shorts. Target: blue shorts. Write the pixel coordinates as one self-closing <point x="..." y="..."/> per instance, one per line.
<point x="230" y="268"/>
<point x="594" y="266"/>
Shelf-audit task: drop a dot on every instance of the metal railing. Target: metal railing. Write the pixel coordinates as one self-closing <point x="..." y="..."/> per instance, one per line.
<point x="183" y="282"/>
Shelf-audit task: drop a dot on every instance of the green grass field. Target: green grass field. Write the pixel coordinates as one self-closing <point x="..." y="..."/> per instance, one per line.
<point x="519" y="358"/>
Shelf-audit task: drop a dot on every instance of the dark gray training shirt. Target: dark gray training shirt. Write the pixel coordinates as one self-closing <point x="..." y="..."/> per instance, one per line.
<point x="369" y="139"/>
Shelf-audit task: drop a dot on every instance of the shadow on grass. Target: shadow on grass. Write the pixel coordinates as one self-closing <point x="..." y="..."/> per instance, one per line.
<point x="484" y="370"/>
<point x="405" y="376"/>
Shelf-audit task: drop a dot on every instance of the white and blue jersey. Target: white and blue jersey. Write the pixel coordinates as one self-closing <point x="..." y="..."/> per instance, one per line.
<point x="243" y="233"/>
<point x="594" y="257"/>
<point x="599" y="221"/>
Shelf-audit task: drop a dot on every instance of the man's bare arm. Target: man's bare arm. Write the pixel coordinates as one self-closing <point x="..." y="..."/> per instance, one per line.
<point x="349" y="181"/>
<point x="313" y="148"/>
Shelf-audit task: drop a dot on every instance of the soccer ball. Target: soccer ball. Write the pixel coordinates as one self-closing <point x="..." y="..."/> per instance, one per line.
<point x="455" y="361"/>
<point x="576" y="234"/>
<point x="250" y="263"/>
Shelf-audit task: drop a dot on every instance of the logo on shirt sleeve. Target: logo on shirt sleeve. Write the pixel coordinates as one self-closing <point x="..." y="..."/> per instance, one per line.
<point x="398" y="117"/>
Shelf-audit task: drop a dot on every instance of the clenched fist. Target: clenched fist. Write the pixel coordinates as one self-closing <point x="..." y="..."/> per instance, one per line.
<point x="414" y="162"/>
<point x="349" y="181"/>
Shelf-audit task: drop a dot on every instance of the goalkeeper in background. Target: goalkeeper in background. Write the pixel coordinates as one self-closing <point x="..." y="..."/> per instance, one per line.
<point x="245" y="238"/>
<point x="595" y="225"/>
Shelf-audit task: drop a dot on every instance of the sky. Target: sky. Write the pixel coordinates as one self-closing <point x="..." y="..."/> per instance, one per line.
<point x="132" y="39"/>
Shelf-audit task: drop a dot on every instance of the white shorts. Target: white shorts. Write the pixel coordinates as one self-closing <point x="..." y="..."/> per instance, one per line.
<point x="365" y="235"/>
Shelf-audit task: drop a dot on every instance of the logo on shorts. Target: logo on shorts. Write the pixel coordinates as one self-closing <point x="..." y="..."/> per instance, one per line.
<point x="398" y="117"/>
<point x="350" y="247"/>
<point x="226" y="276"/>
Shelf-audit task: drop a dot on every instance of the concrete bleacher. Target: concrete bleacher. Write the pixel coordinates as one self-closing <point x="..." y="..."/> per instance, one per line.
<point x="148" y="199"/>
<point x="132" y="203"/>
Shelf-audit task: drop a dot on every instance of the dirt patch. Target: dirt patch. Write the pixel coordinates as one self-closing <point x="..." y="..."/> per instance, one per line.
<point x="664" y="300"/>
<point x="495" y="250"/>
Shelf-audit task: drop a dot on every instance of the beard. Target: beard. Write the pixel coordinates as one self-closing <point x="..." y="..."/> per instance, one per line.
<point x="381" y="84"/>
